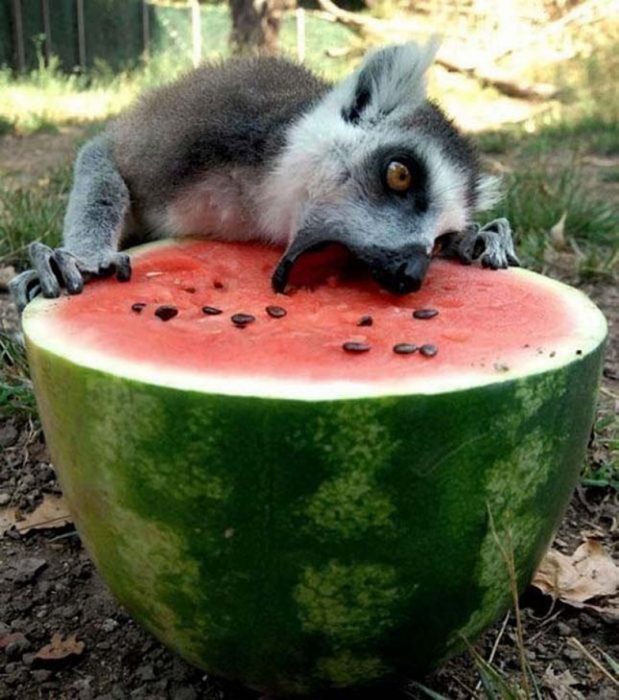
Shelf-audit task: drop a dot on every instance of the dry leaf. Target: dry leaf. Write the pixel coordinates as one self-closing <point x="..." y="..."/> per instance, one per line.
<point x="588" y="573"/>
<point x="557" y="234"/>
<point x="50" y="514"/>
<point x="560" y="685"/>
<point x="59" y="651"/>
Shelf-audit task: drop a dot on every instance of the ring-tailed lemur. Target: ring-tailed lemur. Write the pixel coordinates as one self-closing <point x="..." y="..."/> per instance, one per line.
<point x="262" y="149"/>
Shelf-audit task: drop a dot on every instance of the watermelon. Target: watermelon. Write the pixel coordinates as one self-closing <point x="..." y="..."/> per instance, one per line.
<point x="283" y="487"/>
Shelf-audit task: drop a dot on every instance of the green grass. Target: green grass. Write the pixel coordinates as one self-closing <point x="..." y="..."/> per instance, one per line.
<point x="538" y="195"/>
<point x="32" y="213"/>
<point x="602" y="466"/>
<point x="16" y="397"/>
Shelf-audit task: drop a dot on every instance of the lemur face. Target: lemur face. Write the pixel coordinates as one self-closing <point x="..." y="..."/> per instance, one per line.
<point x="377" y="168"/>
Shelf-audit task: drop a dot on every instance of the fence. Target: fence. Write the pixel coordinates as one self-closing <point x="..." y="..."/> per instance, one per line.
<point x="120" y="33"/>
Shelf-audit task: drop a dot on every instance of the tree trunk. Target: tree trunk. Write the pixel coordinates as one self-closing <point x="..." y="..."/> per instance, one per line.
<point x="255" y="25"/>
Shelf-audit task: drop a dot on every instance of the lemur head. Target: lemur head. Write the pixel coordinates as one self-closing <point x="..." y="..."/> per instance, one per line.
<point x="376" y="167"/>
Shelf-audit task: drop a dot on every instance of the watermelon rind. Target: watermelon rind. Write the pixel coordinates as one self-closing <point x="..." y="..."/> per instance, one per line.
<point x="297" y="537"/>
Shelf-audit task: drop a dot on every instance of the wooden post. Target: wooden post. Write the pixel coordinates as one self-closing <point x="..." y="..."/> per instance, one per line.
<point x="18" y="35"/>
<point x="47" y="28"/>
<point x="81" y="35"/>
<point x="300" y="15"/>
<point x="145" y="31"/>
<point x="196" y="33"/>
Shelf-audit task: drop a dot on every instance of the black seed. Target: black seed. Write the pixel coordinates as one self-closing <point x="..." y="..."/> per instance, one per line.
<point x="552" y="354"/>
<point x="579" y="352"/>
<point x="211" y="310"/>
<point x="218" y="285"/>
<point x="138" y="307"/>
<point x="165" y="313"/>
<point x="242" y="320"/>
<point x="404" y="348"/>
<point x="425" y="313"/>
<point x="428" y="350"/>
<point x="276" y="311"/>
<point x="365" y="321"/>
<point x="354" y="347"/>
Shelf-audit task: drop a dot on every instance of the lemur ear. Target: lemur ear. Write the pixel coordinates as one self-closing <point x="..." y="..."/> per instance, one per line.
<point x="389" y="78"/>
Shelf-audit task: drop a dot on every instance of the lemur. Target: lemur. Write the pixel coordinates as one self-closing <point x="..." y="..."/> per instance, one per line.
<point x="263" y="149"/>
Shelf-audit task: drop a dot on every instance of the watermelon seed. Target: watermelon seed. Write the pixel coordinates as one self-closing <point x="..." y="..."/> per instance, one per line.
<point x="189" y="290"/>
<point x="211" y="310"/>
<point x="354" y="347"/>
<point x="365" y="321"/>
<point x="218" y="285"/>
<point x="553" y="353"/>
<point x="425" y="313"/>
<point x="242" y="320"/>
<point x="165" y="313"/>
<point x="404" y="348"/>
<point x="138" y="307"/>
<point x="428" y="350"/>
<point x="276" y="311"/>
<point x="579" y="352"/>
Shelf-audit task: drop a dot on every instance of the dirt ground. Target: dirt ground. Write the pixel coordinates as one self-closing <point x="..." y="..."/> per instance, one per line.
<point x="48" y="586"/>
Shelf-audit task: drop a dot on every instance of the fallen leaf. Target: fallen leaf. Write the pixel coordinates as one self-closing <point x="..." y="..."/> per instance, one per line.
<point x="59" y="651"/>
<point x="557" y="234"/>
<point x="560" y="685"/>
<point x="50" y="514"/>
<point x="588" y="573"/>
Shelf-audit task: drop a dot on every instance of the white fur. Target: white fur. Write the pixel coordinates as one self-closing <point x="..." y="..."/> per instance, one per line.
<point x="488" y="190"/>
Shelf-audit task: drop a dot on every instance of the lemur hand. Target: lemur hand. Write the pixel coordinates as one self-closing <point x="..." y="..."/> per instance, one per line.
<point x="492" y="244"/>
<point x="55" y="269"/>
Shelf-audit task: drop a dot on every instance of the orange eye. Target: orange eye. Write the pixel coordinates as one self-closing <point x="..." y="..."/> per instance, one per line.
<point x="399" y="178"/>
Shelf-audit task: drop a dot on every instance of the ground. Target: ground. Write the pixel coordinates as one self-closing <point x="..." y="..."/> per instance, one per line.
<point x="49" y="586"/>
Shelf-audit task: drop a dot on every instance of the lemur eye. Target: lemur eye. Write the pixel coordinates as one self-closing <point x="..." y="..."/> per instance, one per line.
<point x="398" y="177"/>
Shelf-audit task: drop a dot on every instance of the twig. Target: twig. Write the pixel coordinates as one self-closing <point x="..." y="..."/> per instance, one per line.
<point x="508" y="558"/>
<point x="545" y="621"/>
<point x="495" y="647"/>
<point x="572" y="641"/>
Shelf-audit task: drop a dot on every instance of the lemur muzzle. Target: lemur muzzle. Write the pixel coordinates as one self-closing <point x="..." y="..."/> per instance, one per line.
<point x="399" y="271"/>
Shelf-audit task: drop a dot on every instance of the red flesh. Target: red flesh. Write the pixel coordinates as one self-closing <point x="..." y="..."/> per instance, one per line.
<point x="487" y="320"/>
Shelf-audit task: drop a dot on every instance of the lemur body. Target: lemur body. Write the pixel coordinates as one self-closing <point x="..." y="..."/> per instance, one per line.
<point x="262" y="149"/>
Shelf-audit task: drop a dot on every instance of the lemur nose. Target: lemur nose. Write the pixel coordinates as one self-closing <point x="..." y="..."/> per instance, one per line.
<point x="406" y="277"/>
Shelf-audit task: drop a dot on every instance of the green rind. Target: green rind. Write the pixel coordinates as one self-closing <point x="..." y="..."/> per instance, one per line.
<point x="297" y="545"/>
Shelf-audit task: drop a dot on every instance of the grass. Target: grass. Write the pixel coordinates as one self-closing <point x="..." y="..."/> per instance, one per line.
<point x="536" y="199"/>
<point x="33" y="212"/>
<point x="16" y="397"/>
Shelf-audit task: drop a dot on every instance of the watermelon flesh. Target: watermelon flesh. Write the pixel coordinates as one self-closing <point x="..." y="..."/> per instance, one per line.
<point x="295" y="516"/>
<point x="487" y="324"/>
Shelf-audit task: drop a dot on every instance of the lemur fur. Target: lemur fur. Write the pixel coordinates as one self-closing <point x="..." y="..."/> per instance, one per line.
<point x="262" y="149"/>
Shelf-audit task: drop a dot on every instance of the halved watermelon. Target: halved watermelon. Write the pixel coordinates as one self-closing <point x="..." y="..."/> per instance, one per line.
<point x="281" y="496"/>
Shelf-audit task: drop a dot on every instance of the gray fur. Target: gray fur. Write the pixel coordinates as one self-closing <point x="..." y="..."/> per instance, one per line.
<point x="261" y="148"/>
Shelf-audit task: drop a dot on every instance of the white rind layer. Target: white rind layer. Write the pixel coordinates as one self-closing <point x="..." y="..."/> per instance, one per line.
<point x="589" y="332"/>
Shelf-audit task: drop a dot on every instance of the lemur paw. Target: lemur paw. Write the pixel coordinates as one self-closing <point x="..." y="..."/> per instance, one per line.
<point x="492" y="244"/>
<point x="55" y="269"/>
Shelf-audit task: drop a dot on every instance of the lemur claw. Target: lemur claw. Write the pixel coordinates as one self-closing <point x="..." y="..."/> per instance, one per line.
<point x="491" y="244"/>
<point x="54" y="269"/>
